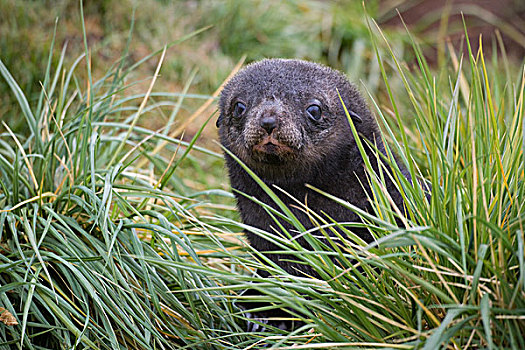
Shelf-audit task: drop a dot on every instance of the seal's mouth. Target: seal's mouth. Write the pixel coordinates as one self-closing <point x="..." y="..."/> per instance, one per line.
<point x="271" y="146"/>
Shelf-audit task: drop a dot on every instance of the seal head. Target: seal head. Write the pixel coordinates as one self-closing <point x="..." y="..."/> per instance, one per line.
<point x="284" y="118"/>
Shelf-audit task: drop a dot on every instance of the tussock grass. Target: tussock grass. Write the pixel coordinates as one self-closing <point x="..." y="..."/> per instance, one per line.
<point x="452" y="275"/>
<point x="91" y="246"/>
<point x="98" y="252"/>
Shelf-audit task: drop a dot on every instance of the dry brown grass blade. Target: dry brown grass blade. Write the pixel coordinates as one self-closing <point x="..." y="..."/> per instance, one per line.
<point x="24" y="155"/>
<point x="7" y="318"/>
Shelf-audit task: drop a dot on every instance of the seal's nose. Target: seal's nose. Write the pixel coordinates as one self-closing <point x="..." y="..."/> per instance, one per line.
<point x="268" y="123"/>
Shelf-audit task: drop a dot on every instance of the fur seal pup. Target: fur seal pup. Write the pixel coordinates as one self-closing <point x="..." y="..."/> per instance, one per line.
<point x="284" y="119"/>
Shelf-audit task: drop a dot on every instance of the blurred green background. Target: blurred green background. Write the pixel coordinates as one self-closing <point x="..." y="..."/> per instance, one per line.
<point x="236" y="31"/>
<point x="331" y="32"/>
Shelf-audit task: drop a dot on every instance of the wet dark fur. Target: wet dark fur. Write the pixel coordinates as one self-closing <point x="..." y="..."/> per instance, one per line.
<point x="302" y="151"/>
<point x="323" y="154"/>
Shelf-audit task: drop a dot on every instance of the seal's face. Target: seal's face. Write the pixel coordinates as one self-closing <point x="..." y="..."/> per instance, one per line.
<point x="283" y="116"/>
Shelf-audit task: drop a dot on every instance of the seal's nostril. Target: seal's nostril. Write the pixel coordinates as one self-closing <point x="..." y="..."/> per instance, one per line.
<point x="268" y="123"/>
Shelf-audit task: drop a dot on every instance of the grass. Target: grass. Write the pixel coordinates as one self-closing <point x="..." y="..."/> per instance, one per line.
<point x="90" y="245"/>
<point x="104" y="245"/>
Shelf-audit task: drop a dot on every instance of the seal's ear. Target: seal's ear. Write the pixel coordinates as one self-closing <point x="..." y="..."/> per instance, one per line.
<point x="355" y="117"/>
<point x="219" y="120"/>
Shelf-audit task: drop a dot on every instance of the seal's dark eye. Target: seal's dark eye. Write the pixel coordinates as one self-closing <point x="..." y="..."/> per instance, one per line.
<point x="238" y="109"/>
<point x="314" y="112"/>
